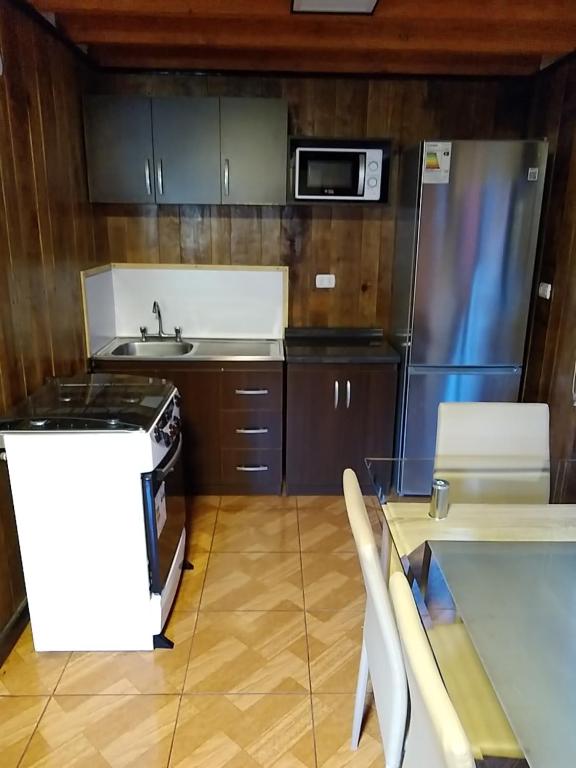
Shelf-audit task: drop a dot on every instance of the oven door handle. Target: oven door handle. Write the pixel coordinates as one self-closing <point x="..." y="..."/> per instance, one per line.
<point x="161" y="473"/>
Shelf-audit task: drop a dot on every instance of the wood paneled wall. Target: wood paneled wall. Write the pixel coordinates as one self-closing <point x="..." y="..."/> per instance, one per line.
<point x="46" y="233"/>
<point x="552" y="349"/>
<point x="354" y="243"/>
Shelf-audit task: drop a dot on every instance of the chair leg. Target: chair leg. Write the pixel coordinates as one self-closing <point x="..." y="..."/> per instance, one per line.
<point x="360" y="700"/>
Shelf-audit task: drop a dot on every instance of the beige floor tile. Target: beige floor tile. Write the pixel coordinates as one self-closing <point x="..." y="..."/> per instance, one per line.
<point x="332" y="728"/>
<point x="244" y="731"/>
<point x="325" y="530"/>
<point x="334" y="642"/>
<point x="253" y="582"/>
<point x="257" y="503"/>
<point x="328" y="530"/>
<point x="104" y="732"/>
<point x="159" y="671"/>
<point x="332" y="581"/>
<point x="200" y="531"/>
<point x="329" y="503"/>
<point x="249" y="652"/>
<point x="274" y="530"/>
<point x="18" y="718"/>
<point x="26" y="672"/>
<point x="203" y="503"/>
<point x="190" y="589"/>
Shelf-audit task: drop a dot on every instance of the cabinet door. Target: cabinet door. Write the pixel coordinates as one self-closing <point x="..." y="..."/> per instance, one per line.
<point x="200" y="392"/>
<point x="314" y="445"/>
<point x="369" y="402"/>
<point x="254" y="135"/>
<point x="186" y="149"/>
<point x="119" y="154"/>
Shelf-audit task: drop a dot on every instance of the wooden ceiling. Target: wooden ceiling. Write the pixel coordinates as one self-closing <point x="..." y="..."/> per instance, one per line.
<point x="456" y="37"/>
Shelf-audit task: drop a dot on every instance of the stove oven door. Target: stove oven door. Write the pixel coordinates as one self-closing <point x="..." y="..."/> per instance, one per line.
<point x="164" y="514"/>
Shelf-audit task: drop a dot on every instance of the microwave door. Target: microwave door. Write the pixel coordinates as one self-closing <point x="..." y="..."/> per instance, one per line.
<point x="330" y="174"/>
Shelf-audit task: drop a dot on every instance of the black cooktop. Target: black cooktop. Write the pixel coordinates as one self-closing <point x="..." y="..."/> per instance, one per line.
<point x="95" y="402"/>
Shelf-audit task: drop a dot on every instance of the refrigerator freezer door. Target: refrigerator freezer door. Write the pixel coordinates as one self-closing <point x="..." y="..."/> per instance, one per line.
<point x="475" y="255"/>
<point x="427" y="388"/>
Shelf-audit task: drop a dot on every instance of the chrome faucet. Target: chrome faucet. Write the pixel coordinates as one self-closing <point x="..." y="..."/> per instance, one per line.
<point x="161" y="335"/>
<point x="156" y="311"/>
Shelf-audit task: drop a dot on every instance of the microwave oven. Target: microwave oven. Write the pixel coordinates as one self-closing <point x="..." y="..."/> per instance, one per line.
<point x="333" y="170"/>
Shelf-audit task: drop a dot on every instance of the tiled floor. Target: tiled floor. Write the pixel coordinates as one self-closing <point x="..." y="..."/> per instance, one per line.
<point x="267" y="633"/>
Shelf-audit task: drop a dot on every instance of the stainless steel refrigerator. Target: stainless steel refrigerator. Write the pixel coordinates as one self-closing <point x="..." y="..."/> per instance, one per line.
<point x="466" y="234"/>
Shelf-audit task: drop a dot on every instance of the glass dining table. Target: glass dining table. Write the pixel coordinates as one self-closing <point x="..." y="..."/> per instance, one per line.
<point x="494" y="548"/>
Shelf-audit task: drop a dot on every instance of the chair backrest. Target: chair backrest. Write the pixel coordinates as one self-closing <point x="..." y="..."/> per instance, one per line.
<point x="381" y="641"/>
<point x="474" y="439"/>
<point x="435" y="737"/>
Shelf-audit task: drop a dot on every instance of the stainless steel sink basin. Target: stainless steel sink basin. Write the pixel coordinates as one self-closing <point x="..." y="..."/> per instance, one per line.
<point x="153" y="348"/>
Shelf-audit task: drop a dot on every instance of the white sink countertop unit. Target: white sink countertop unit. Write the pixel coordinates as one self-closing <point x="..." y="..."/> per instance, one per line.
<point x="206" y="301"/>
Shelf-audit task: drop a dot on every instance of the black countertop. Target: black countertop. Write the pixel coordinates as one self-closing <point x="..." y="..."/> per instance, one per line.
<point x="338" y="345"/>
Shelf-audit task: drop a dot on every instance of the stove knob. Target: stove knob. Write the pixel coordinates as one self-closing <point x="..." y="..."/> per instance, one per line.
<point x="158" y="435"/>
<point x="166" y="438"/>
<point x="177" y="400"/>
<point x="177" y="422"/>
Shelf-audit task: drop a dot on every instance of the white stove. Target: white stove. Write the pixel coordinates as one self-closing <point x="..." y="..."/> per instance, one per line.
<point x="100" y="510"/>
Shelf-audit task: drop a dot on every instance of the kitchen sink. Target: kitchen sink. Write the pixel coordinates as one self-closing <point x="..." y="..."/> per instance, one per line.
<point x="153" y="348"/>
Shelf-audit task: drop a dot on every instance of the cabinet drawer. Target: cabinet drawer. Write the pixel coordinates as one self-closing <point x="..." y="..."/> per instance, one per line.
<point x="251" y="391"/>
<point x="252" y="471"/>
<point x="251" y="429"/>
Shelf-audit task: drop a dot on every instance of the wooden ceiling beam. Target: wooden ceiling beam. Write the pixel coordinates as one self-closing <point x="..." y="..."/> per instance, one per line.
<point x="340" y="34"/>
<point x="263" y="60"/>
<point x="511" y="11"/>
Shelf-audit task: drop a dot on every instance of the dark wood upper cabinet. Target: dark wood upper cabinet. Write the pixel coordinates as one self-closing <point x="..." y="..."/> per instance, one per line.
<point x="254" y="134"/>
<point x="336" y="416"/>
<point x="119" y="154"/>
<point x="186" y="150"/>
<point x="183" y="150"/>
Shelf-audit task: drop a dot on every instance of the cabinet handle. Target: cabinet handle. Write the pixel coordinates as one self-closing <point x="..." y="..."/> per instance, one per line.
<point x="348" y="393"/>
<point x="256" y="431"/>
<point x="256" y="468"/>
<point x="147" y="177"/>
<point x="160" y="177"/>
<point x="226" y="177"/>
<point x="251" y="391"/>
<point x="336" y="394"/>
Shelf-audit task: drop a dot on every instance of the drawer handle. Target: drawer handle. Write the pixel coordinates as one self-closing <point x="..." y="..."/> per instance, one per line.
<point x="257" y="468"/>
<point x="255" y="431"/>
<point x="251" y="391"/>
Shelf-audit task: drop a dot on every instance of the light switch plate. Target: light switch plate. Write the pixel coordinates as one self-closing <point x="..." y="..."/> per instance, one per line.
<point x="545" y="291"/>
<point x="325" y="281"/>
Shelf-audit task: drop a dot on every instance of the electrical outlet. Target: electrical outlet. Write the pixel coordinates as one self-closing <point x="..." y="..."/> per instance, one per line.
<point x="325" y="281"/>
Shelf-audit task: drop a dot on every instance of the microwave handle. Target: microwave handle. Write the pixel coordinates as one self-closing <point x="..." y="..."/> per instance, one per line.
<point x="361" y="173"/>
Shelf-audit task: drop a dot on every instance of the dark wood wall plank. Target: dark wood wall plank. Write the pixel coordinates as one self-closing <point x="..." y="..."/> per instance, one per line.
<point x="354" y="243"/>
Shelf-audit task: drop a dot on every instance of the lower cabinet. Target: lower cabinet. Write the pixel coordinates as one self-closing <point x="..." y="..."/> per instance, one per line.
<point x="336" y="415"/>
<point x="231" y="422"/>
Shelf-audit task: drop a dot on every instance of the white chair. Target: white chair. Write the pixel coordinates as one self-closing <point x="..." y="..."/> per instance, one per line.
<point x="435" y="737"/>
<point x="381" y="656"/>
<point x="486" y="725"/>
<point x="479" y="445"/>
